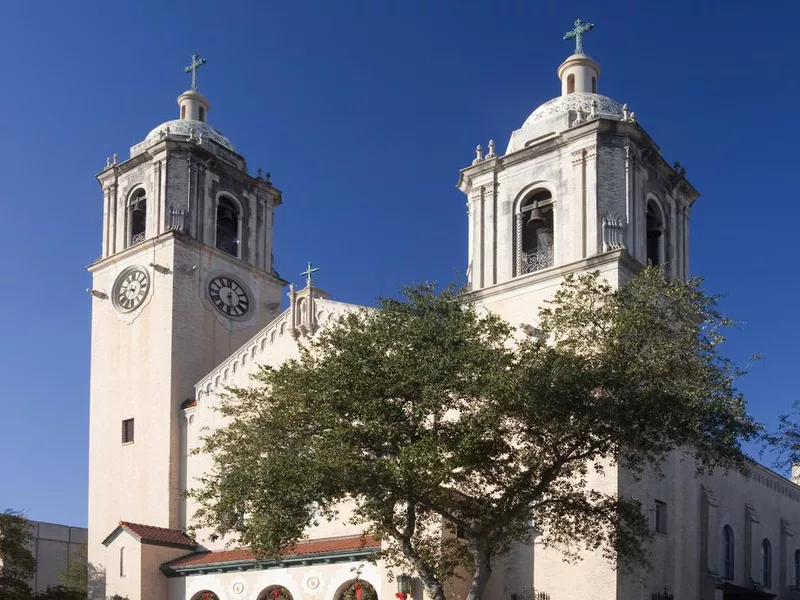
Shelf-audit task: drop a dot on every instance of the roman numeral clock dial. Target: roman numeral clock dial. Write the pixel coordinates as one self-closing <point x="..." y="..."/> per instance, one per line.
<point x="229" y="296"/>
<point x="130" y="289"/>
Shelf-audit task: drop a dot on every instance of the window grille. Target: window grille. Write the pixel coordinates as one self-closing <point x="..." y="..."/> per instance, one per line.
<point x="127" y="431"/>
<point x="728" y="553"/>
<point x="766" y="563"/>
<point x="661" y="517"/>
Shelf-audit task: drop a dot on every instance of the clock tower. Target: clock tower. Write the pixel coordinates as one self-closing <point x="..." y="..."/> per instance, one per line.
<point x="185" y="277"/>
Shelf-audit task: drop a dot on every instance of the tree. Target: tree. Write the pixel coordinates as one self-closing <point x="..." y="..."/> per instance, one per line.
<point x="75" y="577"/>
<point x="17" y="564"/>
<point x="61" y="592"/>
<point x="432" y="414"/>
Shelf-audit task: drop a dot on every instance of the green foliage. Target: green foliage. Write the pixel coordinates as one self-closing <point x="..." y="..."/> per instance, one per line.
<point x="76" y="575"/>
<point x="61" y="593"/>
<point x="17" y="564"/>
<point x="358" y="590"/>
<point x="429" y="412"/>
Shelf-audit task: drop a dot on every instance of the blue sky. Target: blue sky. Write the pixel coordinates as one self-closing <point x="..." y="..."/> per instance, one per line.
<point x="364" y="112"/>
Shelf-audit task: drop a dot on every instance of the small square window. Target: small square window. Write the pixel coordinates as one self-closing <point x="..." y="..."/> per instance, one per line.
<point x="661" y="517"/>
<point x="127" y="431"/>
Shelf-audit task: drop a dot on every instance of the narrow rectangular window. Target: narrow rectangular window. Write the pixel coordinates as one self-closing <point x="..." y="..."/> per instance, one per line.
<point x="661" y="517"/>
<point x="127" y="431"/>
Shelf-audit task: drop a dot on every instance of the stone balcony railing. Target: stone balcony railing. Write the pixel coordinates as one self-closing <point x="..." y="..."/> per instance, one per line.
<point x="537" y="260"/>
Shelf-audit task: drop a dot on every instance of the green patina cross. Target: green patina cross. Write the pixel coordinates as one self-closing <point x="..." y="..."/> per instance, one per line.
<point x="577" y="33"/>
<point x="308" y="273"/>
<point x="196" y="63"/>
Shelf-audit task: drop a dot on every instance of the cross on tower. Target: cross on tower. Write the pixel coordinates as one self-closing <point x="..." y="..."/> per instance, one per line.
<point x="577" y="32"/>
<point x="308" y="273"/>
<point x="197" y="62"/>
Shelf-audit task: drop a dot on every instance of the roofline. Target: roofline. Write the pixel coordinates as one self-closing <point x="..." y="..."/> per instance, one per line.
<point x="252" y="564"/>
<point x="120" y="528"/>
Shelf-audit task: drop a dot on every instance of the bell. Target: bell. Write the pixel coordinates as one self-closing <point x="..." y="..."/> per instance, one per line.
<point x="537" y="217"/>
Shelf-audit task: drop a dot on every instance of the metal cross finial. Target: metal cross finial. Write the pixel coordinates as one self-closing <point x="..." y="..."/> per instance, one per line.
<point x="577" y="32"/>
<point x="196" y="63"/>
<point x="308" y="273"/>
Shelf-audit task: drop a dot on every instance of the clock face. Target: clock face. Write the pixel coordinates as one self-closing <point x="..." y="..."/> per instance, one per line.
<point x="229" y="296"/>
<point x="131" y="289"/>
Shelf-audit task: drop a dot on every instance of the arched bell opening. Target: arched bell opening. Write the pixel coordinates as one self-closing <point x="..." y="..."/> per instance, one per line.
<point x="229" y="225"/>
<point x="655" y="234"/>
<point x="535" y="232"/>
<point x="137" y="217"/>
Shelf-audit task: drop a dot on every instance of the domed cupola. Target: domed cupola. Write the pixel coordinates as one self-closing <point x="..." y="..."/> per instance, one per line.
<point x="192" y="122"/>
<point x="578" y="102"/>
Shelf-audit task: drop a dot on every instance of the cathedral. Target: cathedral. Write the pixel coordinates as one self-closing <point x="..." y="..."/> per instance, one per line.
<point x="186" y="301"/>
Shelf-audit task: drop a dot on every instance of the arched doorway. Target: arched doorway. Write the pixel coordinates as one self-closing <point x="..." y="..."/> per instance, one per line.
<point x="275" y="592"/>
<point x="358" y="590"/>
<point x="205" y="595"/>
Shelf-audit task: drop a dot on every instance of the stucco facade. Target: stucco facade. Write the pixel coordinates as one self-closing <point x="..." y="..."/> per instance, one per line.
<point x="581" y="187"/>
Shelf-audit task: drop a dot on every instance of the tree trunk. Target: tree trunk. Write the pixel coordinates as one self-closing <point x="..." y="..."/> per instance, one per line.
<point x="483" y="570"/>
<point x="434" y="587"/>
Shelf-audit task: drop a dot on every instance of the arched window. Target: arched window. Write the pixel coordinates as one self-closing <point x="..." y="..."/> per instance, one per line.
<point x="655" y="234"/>
<point x="122" y="562"/>
<point x="202" y="113"/>
<point x="137" y="217"/>
<point x="535" y="232"/>
<point x="728" y="553"/>
<point x="228" y="226"/>
<point x="358" y="590"/>
<point x="766" y="563"/>
<point x="594" y="85"/>
<point x="205" y="595"/>
<point x="570" y="83"/>
<point x="183" y="111"/>
<point x="275" y="592"/>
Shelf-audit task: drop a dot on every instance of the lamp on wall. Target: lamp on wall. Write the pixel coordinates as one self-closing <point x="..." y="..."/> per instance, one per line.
<point x="403" y="586"/>
<point x="97" y="293"/>
<point x="160" y="268"/>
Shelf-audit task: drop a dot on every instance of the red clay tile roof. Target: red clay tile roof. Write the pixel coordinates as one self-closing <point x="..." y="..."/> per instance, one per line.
<point x="158" y="535"/>
<point x="188" y="403"/>
<point x="304" y="548"/>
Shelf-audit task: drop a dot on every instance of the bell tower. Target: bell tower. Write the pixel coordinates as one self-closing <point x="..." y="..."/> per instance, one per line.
<point x="581" y="186"/>
<point x="185" y="277"/>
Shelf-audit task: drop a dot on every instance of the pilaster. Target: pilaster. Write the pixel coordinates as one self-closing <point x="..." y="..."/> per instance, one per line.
<point x="476" y="201"/>
<point x="106" y="221"/>
<point x="750" y="519"/>
<point x="114" y="229"/>
<point x="593" y="234"/>
<point x="708" y="556"/>
<point x="580" y="225"/>
<point x="491" y="241"/>
<point x="784" y="555"/>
